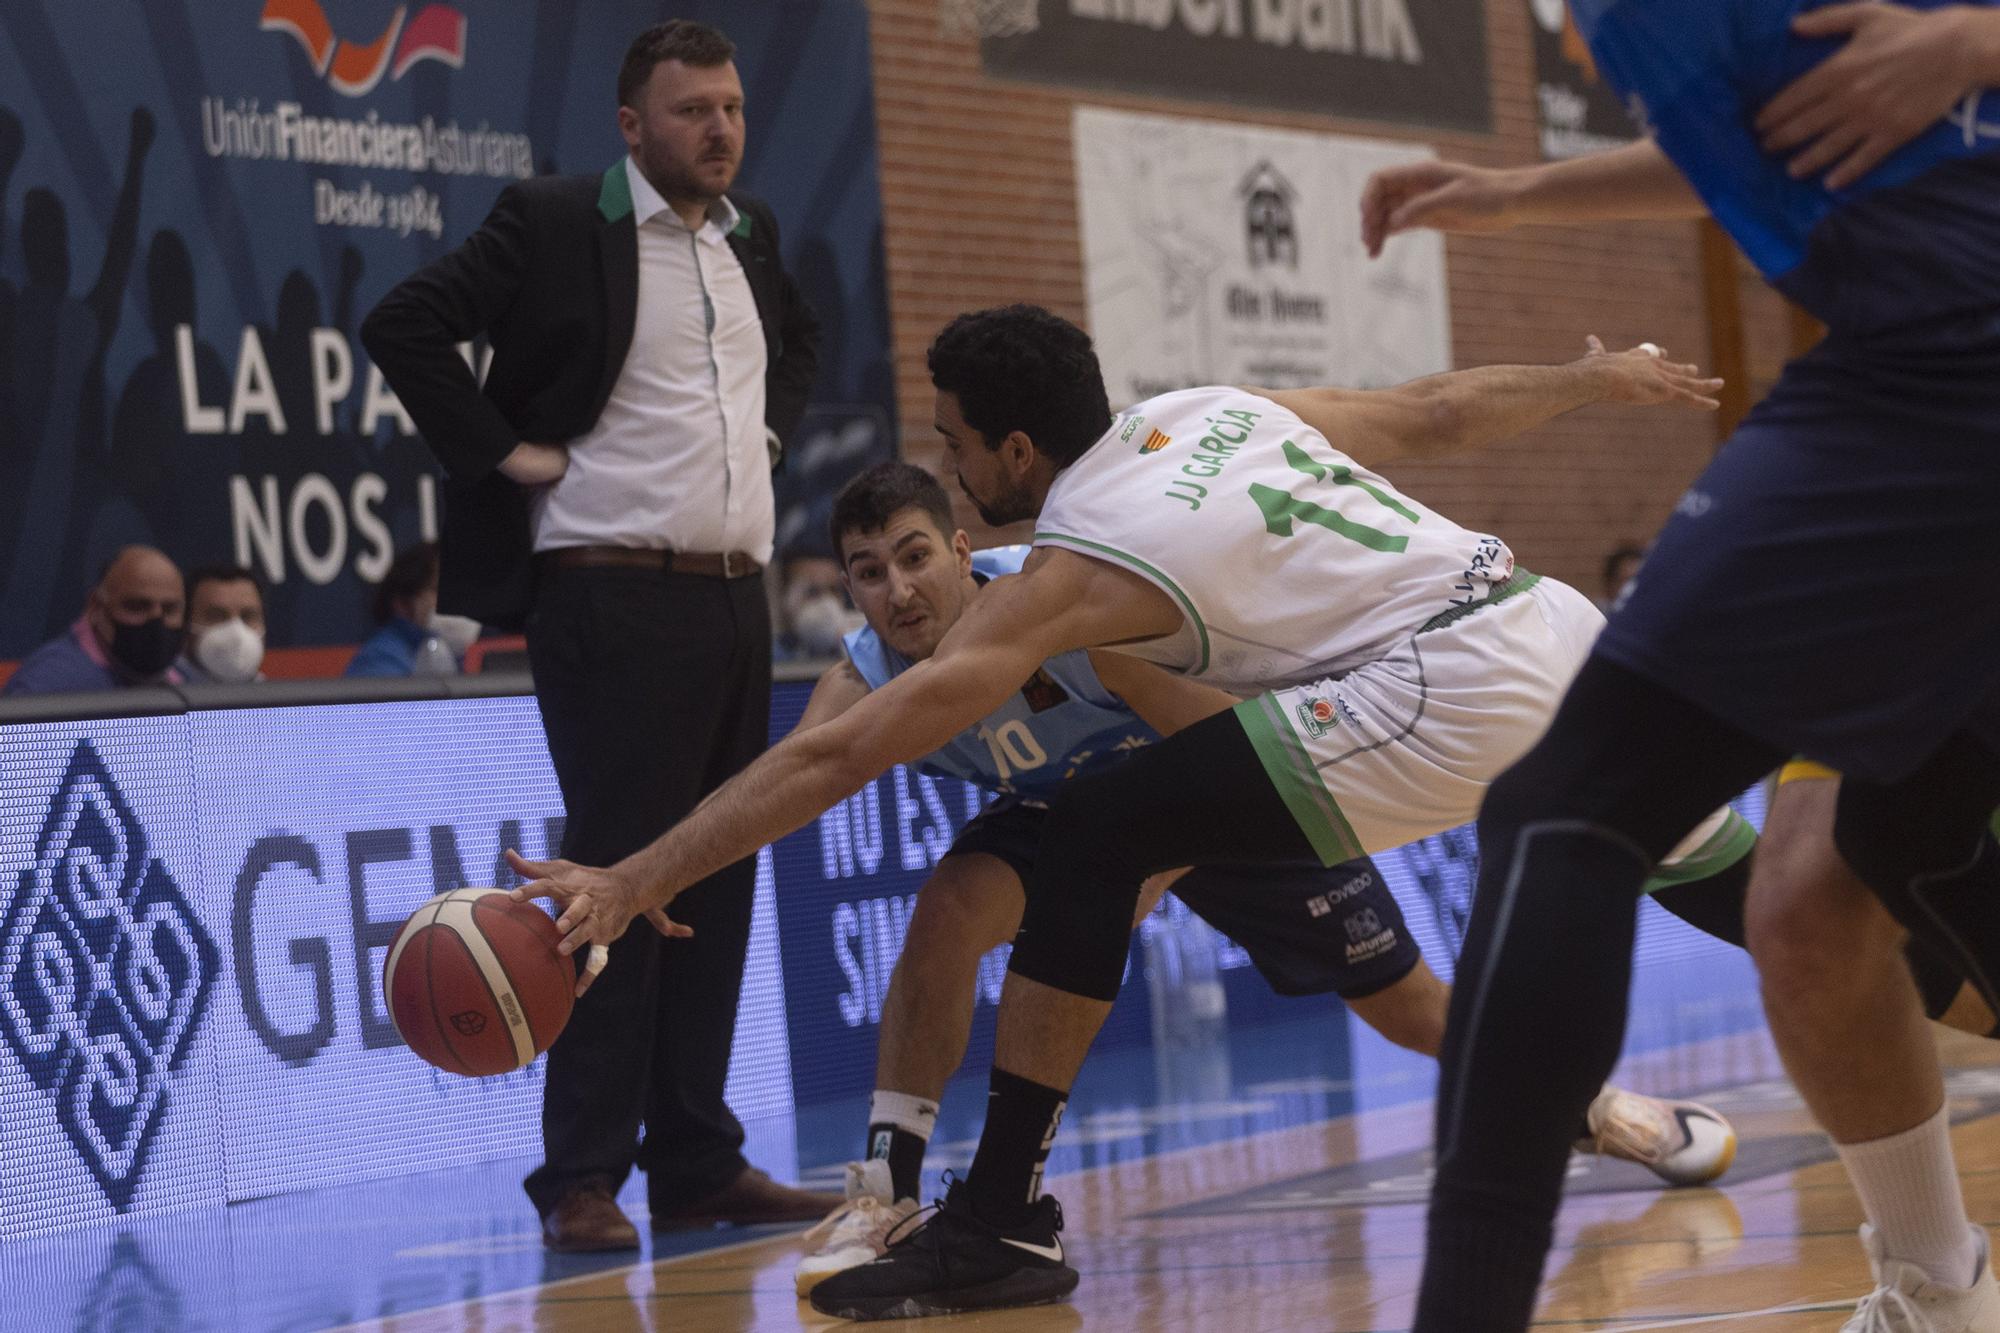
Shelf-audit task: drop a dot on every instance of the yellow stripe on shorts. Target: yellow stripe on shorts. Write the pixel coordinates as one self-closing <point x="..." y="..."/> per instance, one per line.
<point x="1805" y="770"/>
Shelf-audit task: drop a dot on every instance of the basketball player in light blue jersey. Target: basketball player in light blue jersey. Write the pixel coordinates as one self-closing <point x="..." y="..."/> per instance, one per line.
<point x="1308" y="929"/>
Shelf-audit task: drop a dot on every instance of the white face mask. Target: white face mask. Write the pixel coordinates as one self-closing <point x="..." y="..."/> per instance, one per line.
<point x="458" y="632"/>
<point x="820" y="621"/>
<point x="230" y="652"/>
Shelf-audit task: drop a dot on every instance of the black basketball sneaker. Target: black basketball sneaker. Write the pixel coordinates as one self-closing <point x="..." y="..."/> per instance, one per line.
<point x="954" y="1262"/>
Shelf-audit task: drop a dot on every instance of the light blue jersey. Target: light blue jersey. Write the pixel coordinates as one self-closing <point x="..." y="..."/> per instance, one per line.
<point x="1062" y="723"/>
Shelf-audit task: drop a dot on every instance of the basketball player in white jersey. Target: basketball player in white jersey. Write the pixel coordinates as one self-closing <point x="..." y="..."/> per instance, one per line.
<point x="1399" y="663"/>
<point x="1309" y="929"/>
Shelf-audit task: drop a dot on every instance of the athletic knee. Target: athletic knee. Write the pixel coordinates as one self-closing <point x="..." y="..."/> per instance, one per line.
<point x="1808" y="921"/>
<point x="1080" y="904"/>
<point x="959" y="919"/>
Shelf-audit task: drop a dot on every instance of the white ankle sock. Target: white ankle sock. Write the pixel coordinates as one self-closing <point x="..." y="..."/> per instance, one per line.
<point x="911" y="1114"/>
<point x="1909" y="1189"/>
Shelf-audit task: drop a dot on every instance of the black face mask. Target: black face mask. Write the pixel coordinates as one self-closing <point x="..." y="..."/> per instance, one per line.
<point x="145" y="649"/>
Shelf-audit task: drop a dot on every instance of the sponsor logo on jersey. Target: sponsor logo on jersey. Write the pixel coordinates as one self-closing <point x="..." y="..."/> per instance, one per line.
<point x="1132" y="424"/>
<point x="1318" y="715"/>
<point x="1156" y="440"/>
<point x="1042" y="693"/>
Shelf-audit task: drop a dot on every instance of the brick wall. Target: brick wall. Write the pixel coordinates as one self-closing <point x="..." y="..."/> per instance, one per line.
<point x="979" y="189"/>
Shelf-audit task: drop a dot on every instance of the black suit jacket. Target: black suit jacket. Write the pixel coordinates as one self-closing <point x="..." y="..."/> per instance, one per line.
<point x="552" y="279"/>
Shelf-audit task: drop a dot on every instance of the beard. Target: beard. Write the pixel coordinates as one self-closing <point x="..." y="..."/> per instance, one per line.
<point x="676" y="178"/>
<point x="1013" y="505"/>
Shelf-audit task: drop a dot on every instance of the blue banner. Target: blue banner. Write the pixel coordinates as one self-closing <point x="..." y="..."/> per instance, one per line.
<point x="194" y="913"/>
<point x="198" y="202"/>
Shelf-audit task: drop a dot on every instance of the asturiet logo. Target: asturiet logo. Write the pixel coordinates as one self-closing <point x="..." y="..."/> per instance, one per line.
<point x="354" y="68"/>
<point x="105" y="972"/>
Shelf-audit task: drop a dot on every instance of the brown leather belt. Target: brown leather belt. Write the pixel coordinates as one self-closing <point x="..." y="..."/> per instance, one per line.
<point x="728" y="565"/>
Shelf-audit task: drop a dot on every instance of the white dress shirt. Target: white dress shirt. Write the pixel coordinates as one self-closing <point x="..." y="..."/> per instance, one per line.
<point x="678" y="459"/>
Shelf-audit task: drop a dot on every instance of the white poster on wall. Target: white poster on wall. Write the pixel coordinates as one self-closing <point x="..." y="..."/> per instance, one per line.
<point x="1230" y="254"/>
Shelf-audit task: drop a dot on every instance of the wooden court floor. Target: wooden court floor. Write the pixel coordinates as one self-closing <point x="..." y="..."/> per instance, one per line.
<point x="1321" y="1228"/>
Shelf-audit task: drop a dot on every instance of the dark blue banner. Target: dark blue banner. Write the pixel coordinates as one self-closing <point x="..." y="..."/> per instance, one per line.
<point x="198" y="202"/>
<point x="850" y="881"/>
<point x="195" y="909"/>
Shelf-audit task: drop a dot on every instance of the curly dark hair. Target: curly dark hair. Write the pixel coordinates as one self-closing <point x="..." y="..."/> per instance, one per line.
<point x="1019" y="367"/>
<point x="867" y="503"/>
<point x="684" y="40"/>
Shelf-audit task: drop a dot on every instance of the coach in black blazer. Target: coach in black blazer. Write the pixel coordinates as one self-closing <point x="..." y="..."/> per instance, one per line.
<point x="609" y="488"/>
<point x="551" y="279"/>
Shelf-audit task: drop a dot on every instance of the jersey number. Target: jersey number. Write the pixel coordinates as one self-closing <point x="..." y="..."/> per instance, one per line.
<point x="1281" y="508"/>
<point x="1014" y="748"/>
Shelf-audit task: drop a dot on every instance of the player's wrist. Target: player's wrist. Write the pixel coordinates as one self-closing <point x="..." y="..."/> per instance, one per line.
<point x="1598" y="378"/>
<point x="1516" y="192"/>
<point x="1975" y="30"/>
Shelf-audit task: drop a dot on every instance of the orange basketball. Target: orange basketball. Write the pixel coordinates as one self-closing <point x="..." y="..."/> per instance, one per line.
<point x="474" y="982"/>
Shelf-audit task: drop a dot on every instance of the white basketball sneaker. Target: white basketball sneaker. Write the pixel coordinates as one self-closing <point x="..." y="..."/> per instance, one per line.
<point x="1683" y="1143"/>
<point x="858" y="1230"/>
<point x="1906" y="1300"/>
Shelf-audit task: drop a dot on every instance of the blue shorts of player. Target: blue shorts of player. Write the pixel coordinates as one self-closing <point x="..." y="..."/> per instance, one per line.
<point x="1827" y="584"/>
<point x="1308" y="929"/>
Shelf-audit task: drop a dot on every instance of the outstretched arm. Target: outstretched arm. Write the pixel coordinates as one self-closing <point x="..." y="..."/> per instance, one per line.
<point x="837" y="691"/>
<point x="1165" y="702"/>
<point x="1061" y="601"/>
<point x="1467" y="409"/>
<point x="107" y="294"/>
<point x="1631" y="183"/>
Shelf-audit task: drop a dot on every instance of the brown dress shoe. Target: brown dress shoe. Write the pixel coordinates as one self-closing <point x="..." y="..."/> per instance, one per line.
<point x="586" y="1221"/>
<point x="751" y="1198"/>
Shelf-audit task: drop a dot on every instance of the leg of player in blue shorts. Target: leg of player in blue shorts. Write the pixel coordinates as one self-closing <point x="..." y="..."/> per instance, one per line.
<point x="1824" y="588"/>
<point x="1308" y="929"/>
<point x="1791" y="926"/>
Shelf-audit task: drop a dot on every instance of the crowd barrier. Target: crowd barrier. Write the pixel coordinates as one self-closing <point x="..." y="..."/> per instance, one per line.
<point x="199" y="887"/>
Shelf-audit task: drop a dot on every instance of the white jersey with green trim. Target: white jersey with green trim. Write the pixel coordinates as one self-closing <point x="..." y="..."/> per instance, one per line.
<point x="1290" y="562"/>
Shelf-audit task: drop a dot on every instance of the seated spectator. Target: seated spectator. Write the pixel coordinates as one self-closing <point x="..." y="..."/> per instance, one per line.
<point x="409" y="642"/>
<point x="225" y="619"/>
<point x="128" y="633"/>
<point x="813" y="610"/>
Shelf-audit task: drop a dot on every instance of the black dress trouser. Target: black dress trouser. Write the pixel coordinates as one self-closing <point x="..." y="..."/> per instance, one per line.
<point x="654" y="688"/>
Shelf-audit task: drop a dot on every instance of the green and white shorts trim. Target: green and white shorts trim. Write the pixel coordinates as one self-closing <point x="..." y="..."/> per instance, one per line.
<point x="1716" y="844"/>
<point x="1405" y="746"/>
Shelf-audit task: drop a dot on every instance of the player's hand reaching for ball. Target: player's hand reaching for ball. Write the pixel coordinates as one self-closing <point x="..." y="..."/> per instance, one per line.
<point x="597" y="905"/>
<point x="1645" y="375"/>
<point x="1448" y="196"/>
